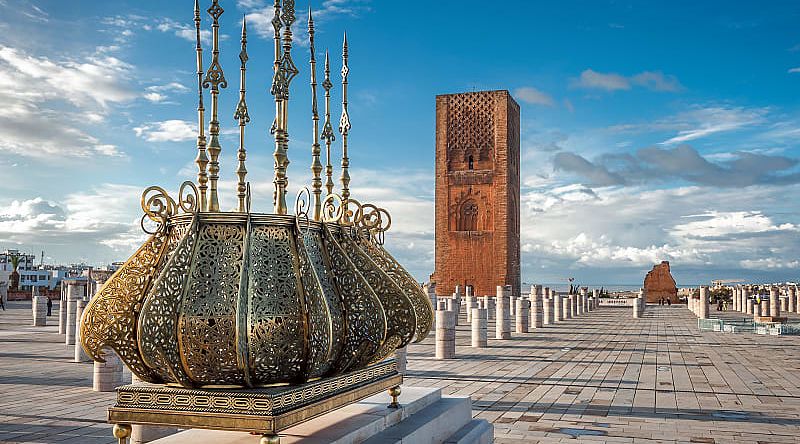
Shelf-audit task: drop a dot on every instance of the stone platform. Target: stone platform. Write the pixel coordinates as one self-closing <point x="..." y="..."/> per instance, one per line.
<point x="601" y="377"/>
<point x="424" y="417"/>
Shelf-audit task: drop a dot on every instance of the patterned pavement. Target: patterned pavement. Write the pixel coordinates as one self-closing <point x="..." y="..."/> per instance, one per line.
<point x="602" y="377"/>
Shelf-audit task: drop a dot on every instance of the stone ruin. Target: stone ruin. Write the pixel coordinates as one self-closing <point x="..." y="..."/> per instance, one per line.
<point x="659" y="284"/>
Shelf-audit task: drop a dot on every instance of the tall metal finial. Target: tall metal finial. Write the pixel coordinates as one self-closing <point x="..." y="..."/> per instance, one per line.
<point x="215" y="79"/>
<point x="327" y="128"/>
<point x="284" y="73"/>
<point x="202" y="158"/>
<point x="316" y="165"/>
<point x="344" y="128"/>
<point x="243" y="117"/>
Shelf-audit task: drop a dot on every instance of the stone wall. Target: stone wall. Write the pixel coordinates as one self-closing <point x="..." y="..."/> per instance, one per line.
<point x="659" y="284"/>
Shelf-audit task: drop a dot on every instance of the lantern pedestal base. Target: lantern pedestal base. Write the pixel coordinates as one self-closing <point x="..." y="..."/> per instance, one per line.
<point x="265" y="411"/>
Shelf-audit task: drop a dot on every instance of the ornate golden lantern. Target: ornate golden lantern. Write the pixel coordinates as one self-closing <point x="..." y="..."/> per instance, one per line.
<point x="247" y="299"/>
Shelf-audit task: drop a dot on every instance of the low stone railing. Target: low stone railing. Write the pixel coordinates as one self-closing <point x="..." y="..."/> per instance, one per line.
<point x="616" y="302"/>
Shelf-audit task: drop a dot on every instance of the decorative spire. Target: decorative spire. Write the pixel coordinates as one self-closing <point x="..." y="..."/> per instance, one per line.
<point x="344" y="127"/>
<point x="284" y="73"/>
<point x="202" y="158"/>
<point x="327" y="128"/>
<point x="215" y="79"/>
<point x="316" y="166"/>
<point x="243" y="117"/>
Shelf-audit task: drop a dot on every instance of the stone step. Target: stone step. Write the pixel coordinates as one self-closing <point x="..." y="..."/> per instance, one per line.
<point x="477" y="431"/>
<point x="432" y="425"/>
<point x="354" y="423"/>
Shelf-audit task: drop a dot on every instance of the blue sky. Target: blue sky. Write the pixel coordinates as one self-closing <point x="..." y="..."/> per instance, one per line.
<point x="650" y="131"/>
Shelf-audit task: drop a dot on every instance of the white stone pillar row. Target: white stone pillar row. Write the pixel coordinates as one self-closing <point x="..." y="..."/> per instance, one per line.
<point x="80" y="355"/>
<point x="703" y="308"/>
<point x="39" y="310"/>
<point x="62" y="310"/>
<point x="547" y="311"/>
<point x="401" y="356"/>
<point x="445" y="334"/>
<point x="774" y="302"/>
<point x="74" y="292"/>
<point x="480" y="325"/>
<point x="107" y="375"/>
<point x="537" y="307"/>
<point x="792" y="299"/>
<point x="566" y="307"/>
<point x="502" y="323"/>
<point x="488" y="304"/>
<point x="558" y="312"/>
<point x="522" y="319"/>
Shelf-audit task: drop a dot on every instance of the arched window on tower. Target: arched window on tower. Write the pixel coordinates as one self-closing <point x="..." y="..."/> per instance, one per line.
<point x="468" y="216"/>
<point x="471" y="162"/>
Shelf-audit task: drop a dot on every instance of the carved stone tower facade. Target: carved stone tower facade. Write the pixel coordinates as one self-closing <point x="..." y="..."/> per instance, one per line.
<point x="477" y="192"/>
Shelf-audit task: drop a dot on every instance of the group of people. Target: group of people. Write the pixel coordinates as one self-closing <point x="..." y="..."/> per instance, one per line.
<point x="664" y="301"/>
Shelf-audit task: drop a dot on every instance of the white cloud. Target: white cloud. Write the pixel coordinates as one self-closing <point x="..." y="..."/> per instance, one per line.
<point x="770" y="263"/>
<point x="167" y="131"/>
<point x="531" y="95"/>
<point x="716" y="224"/>
<point x="705" y="121"/>
<point x="652" y="80"/>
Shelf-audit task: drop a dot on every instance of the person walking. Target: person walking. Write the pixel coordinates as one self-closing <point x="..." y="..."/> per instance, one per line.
<point x="49" y="306"/>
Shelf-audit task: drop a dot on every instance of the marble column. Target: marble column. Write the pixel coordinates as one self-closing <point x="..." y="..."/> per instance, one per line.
<point x="62" y="310"/>
<point x="702" y="311"/>
<point x="107" y="375"/>
<point x="792" y="292"/>
<point x="749" y="306"/>
<point x="558" y="312"/>
<point x="480" y="323"/>
<point x="522" y="319"/>
<point x="73" y="294"/>
<point x="80" y="355"/>
<point x="548" y="311"/>
<point x="401" y="356"/>
<point x="595" y="298"/>
<point x="445" y="334"/>
<point x="764" y="309"/>
<point x="536" y="307"/>
<point x="39" y="310"/>
<point x="503" y="314"/>
<point x="566" y="307"/>
<point x="637" y="311"/>
<point x="774" y="302"/>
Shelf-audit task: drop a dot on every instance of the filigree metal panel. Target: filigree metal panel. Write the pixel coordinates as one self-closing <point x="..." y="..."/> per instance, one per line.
<point x="400" y="318"/>
<point x="110" y="318"/>
<point x="422" y="305"/>
<point x="364" y="316"/>
<point x="158" y="321"/>
<point x="320" y="337"/>
<point x="321" y="267"/>
<point x="276" y="321"/>
<point x="207" y="321"/>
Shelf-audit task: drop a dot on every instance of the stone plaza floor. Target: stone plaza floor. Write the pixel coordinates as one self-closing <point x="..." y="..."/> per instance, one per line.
<point x="602" y="377"/>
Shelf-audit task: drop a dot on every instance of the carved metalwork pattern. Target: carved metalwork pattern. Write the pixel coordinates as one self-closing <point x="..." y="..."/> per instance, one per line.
<point x="364" y="316"/>
<point x="110" y="318"/>
<point x="276" y="321"/>
<point x="322" y="270"/>
<point x="319" y="319"/>
<point x="207" y="322"/>
<point x="268" y="401"/>
<point x="158" y="321"/>
<point x="400" y="318"/>
<point x="420" y="301"/>
<point x="470" y="126"/>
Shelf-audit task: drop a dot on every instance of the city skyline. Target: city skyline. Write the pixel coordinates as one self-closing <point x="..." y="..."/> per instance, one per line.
<point x="649" y="132"/>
